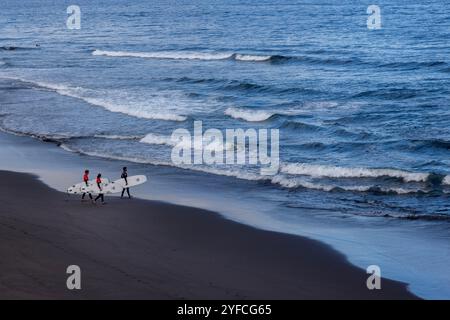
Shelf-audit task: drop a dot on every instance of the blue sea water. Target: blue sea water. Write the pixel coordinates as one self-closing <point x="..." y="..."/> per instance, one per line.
<point x="363" y="114"/>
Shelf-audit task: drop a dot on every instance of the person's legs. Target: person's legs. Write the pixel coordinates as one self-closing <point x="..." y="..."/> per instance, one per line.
<point x="123" y="191"/>
<point x="128" y="191"/>
<point x="90" y="196"/>
<point x="100" y="196"/>
<point x="82" y="197"/>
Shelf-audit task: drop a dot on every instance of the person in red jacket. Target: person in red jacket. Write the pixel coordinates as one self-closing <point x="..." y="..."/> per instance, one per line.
<point x="86" y="180"/>
<point x="99" y="185"/>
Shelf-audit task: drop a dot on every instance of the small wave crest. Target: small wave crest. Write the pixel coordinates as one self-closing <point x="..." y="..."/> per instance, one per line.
<point x="249" y="57"/>
<point x="174" y="55"/>
<point x="446" y="180"/>
<point x="116" y="137"/>
<point x="230" y="55"/>
<point x="295" y="183"/>
<point x="258" y="115"/>
<point x="249" y="114"/>
<point x="188" y="55"/>
<point x="124" y="107"/>
<point x="321" y="171"/>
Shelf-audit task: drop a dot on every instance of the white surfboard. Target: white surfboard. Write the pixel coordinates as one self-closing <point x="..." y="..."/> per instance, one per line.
<point x="93" y="188"/>
<point x="80" y="187"/>
<point x="119" y="185"/>
<point x="116" y="186"/>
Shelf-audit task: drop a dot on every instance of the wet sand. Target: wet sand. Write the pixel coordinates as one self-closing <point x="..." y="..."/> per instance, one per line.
<point x="139" y="249"/>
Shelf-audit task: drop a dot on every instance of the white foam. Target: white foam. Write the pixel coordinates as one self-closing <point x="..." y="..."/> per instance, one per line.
<point x="121" y="104"/>
<point x="184" y="55"/>
<point x="446" y="180"/>
<point x="249" y="57"/>
<point x="293" y="183"/>
<point x="248" y="114"/>
<point x="152" y="138"/>
<point x="255" y="115"/>
<point x="138" y="111"/>
<point x="117" y="137"/>
<point x="176" y="55"/>
<point x="342" y="172"/>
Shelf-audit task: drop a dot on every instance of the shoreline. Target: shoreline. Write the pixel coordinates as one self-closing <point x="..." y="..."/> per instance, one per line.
<point x="55" y="167"/>
<point x="145" y="249"/>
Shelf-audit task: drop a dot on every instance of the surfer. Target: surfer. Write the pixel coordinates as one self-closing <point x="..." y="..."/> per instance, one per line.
<point x="125" y="177"/>
<point x="99" y="185"/>
<point x="86" y="181"/>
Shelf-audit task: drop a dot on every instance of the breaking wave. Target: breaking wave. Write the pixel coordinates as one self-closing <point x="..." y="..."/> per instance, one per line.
<point x="250" y="115"/>
<point x="175" y="55"/>
<point x="293" y="183"/>
<point x="187" y="55"/>
<point x="320" y="171"/>
<point x="135" y="110"/>
<point x="446" y="180"/>
<point x="249" y="57"/>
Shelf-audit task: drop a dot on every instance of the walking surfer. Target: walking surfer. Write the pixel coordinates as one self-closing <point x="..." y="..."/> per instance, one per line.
<point x="99" y="185"/>
<point x="125" y="177"/>
<point x="86" y="181"/>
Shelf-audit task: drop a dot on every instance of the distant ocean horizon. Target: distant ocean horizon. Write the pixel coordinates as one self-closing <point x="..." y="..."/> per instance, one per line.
<point x="363" y="114"/>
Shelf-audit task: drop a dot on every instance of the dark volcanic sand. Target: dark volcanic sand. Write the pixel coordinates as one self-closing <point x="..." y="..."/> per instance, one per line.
<point x="151" y="250"/>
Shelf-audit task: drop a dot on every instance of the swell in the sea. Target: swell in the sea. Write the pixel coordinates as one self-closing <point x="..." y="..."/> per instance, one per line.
<point x="119" y="107"/>
<point x="18" y="48"/>
<point x="258" y="115"/>
<point x="318" y="58"/>
<point x="244" y="86"/>
<point x="185" y="55"/>
<point x="217" y="55"/>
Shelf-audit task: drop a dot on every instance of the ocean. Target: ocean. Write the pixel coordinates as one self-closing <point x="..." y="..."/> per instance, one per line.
<point x="363" y="115"/>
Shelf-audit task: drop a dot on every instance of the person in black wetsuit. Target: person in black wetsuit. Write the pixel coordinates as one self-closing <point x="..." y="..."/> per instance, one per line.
<point x="99" y="185"/>
<point x="86" y="180"/>
<point x="125" y="176"/>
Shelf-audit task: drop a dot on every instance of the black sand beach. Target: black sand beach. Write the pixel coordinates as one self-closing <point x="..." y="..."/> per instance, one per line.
<point x="152" y="250"/>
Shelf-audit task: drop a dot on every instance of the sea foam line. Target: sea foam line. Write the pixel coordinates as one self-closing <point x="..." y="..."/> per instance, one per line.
<point x="184" y="55"/>
<point x="74" y="92"/>
<point x="165" y="55"/>
<point x="328" y="171"/>
<point x="249" y="115"/>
